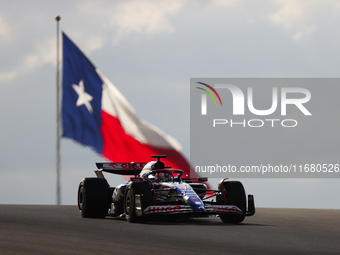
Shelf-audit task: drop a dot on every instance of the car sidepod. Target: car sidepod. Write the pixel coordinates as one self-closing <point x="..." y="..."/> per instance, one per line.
<point x="190" y="197"/>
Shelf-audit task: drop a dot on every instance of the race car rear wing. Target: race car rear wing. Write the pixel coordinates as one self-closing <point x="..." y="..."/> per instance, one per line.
<point x="130" y="168"/>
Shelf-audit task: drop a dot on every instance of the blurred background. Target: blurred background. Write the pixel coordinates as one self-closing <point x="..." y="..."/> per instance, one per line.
<point x="149" y="50"/>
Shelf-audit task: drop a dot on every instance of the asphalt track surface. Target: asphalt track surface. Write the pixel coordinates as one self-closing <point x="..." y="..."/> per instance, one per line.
<point x="48" y="229"/>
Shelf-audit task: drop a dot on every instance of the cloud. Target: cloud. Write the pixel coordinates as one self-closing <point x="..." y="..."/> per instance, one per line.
<point x="135" y="17"/>
<point x="45" y="53"/>
<point x="4" y="31"/>
<point x="299" y="17"/>
<point x="94" y="43"/>
<point x="225" y="3"/>
<point x="7" y="76"/>
<point x="88" y="44"/>
<point x="118" y="21"/>
<point x="145" y="17"/>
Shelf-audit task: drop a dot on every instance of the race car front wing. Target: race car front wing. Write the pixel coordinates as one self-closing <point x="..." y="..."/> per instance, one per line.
<point x="209" y="209"/>
<point x="171" y="209"/>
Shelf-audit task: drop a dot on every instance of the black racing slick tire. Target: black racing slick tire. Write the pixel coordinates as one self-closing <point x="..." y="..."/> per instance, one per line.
<point x="141" y="189"/>
<point x="94" y="198"/>
<point x="232" y="193"/>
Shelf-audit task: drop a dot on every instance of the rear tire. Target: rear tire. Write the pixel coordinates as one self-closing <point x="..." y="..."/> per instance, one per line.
<point x="234" y="195"/>
<point x="94" y="198"/>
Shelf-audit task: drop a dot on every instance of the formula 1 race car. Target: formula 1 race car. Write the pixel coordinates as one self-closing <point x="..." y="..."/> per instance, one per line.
<point x="157" y="190"/>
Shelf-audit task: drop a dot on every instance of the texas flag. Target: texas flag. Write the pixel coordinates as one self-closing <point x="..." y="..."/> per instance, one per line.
<point x="96" y="114"/>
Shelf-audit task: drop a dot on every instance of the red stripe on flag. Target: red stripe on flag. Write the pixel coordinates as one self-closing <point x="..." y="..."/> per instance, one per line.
<point x="119" y="146"/>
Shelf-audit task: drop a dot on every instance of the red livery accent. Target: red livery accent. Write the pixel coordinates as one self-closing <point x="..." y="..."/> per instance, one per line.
<point x="159" y="209"/>
<point x="139" y="166"/>
<point x="133" y="179"/>
<point x="225" y="208"/>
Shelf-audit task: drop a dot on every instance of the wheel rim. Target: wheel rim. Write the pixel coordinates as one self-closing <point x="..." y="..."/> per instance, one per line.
<point x="128" y="202"/>
<point x="81" y="198"/>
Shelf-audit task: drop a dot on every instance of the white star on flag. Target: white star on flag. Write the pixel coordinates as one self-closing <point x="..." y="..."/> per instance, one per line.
<point x="84" y="98"/>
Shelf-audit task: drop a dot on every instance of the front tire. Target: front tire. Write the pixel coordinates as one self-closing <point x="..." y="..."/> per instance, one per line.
<point x="232" y="193"/>
<point x="143" y="189"/>
<point x="129" y="205"/>
<point x="94" y="198"/>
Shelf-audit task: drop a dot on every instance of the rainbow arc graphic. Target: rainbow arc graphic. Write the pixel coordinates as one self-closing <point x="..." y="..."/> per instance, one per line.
<point x="209" y="93"/>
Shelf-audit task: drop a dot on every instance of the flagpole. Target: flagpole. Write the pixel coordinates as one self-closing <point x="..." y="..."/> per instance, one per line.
<point x="57" y="18"/>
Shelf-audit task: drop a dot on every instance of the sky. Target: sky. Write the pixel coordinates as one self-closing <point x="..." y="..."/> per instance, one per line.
<point x="149" y="50"/>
